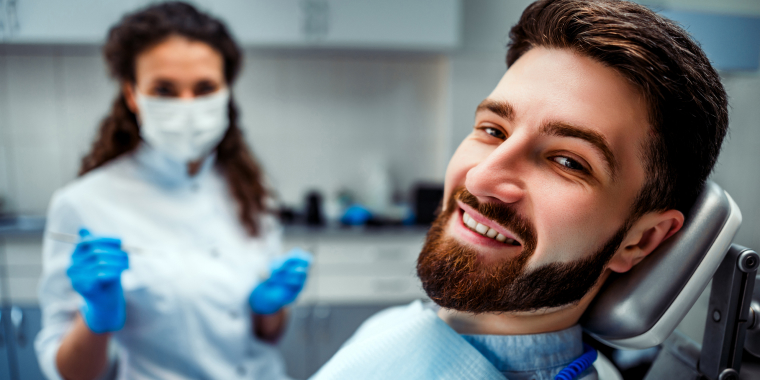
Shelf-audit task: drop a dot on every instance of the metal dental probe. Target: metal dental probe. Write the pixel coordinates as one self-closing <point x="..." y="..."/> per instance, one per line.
<point x="74" y="239"/>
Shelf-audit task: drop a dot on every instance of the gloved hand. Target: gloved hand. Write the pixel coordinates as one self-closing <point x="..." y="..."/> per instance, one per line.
<point x="95" y="273"/>
<point x="283" y="285"/>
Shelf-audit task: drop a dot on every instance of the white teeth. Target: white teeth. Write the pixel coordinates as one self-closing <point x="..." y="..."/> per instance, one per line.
<point x="485" y="230"/>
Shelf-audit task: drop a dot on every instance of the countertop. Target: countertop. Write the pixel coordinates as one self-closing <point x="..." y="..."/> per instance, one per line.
<point x="30" y="225"/>
<point x="21" y="225"/>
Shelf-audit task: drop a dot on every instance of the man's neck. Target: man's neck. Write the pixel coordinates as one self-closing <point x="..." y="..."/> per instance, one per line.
<point x="521" y="323"/>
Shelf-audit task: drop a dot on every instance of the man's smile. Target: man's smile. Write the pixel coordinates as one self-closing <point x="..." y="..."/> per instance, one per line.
<point x="477" y="229"/>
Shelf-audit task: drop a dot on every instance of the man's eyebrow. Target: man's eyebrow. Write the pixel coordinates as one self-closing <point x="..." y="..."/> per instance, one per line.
<point x="501" y="108"/>
<point x="596" y="139"/>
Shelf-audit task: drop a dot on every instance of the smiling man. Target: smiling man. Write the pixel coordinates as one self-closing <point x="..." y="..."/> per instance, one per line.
<point x="580" y="163"/>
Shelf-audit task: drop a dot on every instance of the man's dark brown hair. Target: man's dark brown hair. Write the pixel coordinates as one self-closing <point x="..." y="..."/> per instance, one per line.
<point x="687" y="104"/>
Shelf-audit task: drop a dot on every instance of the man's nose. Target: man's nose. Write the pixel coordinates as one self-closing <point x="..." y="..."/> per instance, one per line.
<point x="500" y="177"/>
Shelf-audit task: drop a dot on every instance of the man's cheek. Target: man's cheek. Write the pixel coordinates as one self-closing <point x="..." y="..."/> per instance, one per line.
<point x="464" y="159"/>
<point x="565" y="231"/>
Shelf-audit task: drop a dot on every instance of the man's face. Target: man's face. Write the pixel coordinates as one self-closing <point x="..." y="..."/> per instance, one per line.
<point x="550" y="170"/>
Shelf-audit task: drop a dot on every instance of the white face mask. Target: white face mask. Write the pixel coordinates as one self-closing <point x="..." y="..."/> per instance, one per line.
<point x="185" y="130"/>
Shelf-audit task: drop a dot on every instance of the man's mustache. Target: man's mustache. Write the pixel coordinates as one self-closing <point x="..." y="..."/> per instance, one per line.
<point x="501" y="213"/>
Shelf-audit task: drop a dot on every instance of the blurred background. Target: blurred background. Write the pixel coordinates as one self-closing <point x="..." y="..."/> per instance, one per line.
<point x="344" y="102"/>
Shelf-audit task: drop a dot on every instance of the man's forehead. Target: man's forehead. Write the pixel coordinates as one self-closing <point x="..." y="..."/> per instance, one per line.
<point x="569" y="72"/>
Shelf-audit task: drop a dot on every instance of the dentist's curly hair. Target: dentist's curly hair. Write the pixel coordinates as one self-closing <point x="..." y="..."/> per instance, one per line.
<point x="119" y="132"/>
<point x="688" y="107"/>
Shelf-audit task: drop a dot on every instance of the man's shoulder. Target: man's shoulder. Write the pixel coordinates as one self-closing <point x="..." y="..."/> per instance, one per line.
<point x="385" y="320"/>
<point x="407" y="342"/>
<point x="391" y="316"/>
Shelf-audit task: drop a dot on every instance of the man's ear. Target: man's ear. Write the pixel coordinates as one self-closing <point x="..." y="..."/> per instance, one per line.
<point x="645" y="235"/>
<point x="128" y="90"/>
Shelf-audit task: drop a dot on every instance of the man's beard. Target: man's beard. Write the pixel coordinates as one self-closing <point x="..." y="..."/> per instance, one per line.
<point x="456" y="278"/>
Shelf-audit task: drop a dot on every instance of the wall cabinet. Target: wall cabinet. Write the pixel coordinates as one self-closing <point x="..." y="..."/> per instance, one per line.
<point x="428" y="25"/>
<point x="20" y="316"/>
<point x="5" y="343"/>
<point x="53" y="22"/>
<point x="361" y="267"/>
<point x="20" y="326"/>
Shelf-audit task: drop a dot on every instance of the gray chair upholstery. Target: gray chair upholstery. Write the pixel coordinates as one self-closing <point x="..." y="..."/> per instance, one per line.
<point x="642" y="307"/>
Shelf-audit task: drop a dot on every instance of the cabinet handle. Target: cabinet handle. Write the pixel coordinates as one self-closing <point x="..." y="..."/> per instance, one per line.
<point x="11" y="12"/>
<point x="301" y="314"/>
<point x="2" y="330"/>
<point x="17" y="320"/>
<point x="316" y="19"/>
<point x="3" y="17"/>
<point x="321" y="318"/>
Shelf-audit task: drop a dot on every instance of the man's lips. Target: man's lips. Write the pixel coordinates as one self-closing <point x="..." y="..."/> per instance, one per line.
<point x="487" y="223"/>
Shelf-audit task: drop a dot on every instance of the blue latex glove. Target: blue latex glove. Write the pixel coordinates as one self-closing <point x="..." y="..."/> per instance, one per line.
<point x="95" y="273"/>
<point x="282" y="287"/>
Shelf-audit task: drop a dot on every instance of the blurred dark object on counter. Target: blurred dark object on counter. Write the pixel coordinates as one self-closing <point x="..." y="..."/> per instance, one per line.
<point x="427" y="201"/>
<point x="381" y="221"/>
<point x="287" y="215"/>
<point x="314" y="215"/>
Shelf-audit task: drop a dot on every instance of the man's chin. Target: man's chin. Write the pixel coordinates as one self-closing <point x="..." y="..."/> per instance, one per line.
<point x="521" y="313"/>
<point x="461" y="271"/>
<point x="465" y="278"/>
<point x="462" y="277"/>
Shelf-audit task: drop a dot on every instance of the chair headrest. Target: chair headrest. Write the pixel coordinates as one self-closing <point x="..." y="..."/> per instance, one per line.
<point x="642" y="307"/>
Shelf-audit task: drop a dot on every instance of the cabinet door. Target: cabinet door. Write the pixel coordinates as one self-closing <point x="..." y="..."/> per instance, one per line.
<point x="295" y="345"/>
<point x="368" y="269"/>
<point x="26" y="323"/>
<point x="259" y="22"/>
<point x="333" y="325"/>
<point x="70" y="21"/>
<point x="5" y="329"/>
<point x="393" y="24"/>
<point x="315" y="334"/>
<point x="367" y="24"/>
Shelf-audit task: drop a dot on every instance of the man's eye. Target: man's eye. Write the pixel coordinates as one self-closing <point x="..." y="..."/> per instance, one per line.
<point x="495" y="133"/>
<point x="569" y="163"/>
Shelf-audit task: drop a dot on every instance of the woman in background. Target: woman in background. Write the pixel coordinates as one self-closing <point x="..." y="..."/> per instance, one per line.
<point x="170" y="176"/>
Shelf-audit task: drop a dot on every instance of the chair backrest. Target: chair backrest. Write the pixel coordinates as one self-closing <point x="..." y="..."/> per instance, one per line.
<point x="642" y="307"/>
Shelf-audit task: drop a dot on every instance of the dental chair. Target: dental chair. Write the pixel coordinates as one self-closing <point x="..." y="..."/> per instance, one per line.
<point x="641" y="308"/>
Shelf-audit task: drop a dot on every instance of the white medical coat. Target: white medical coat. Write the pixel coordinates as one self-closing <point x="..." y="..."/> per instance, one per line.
<point x="186" y="289"/>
